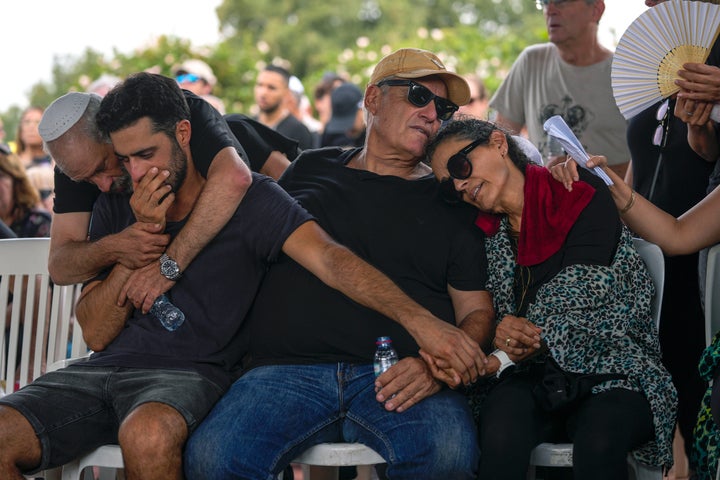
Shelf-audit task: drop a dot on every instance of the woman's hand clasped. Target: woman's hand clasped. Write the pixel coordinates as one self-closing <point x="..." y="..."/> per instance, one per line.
<point x="517" y="337"/>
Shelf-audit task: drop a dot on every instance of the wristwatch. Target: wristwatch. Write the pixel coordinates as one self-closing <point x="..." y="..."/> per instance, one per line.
<point x="505" y="362"/>
<point x="169" y="268"/>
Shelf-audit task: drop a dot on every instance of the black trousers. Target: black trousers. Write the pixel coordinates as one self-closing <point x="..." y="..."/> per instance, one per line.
<point x="603" y="429"/>
<point x="682" y="339"/>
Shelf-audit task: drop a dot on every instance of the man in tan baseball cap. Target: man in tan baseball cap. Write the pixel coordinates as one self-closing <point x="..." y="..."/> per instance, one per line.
<point x="412" y="63"/>
<point x="382" y="202"/>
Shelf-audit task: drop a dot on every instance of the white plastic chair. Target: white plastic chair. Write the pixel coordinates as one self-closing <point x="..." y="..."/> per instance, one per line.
<point x="47" y="309"/>
<point x="712" y="302"/>
<point x="334" y="455"/>
<point x="561" y="454"/>
<point x="39" y="307"/>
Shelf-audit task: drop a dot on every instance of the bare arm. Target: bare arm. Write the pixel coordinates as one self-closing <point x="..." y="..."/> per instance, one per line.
<point x="339" y="268"/>
<point x="697" y="228"/>
<point x="227" y="181"/>
<point x="100" y="317"/>
<point x="275" y="165"/>
<point x="74" y="259"/>
<point x="474" y="314"/>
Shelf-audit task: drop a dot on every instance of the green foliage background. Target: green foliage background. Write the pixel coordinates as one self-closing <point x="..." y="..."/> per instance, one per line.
<point x="311" y="37"/>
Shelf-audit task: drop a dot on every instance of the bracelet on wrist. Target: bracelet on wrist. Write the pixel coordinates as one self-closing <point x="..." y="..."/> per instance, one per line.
<point x="629" y="204"/>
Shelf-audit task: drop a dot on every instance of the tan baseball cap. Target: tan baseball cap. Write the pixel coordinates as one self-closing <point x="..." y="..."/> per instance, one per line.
<point x="414" y="63"/>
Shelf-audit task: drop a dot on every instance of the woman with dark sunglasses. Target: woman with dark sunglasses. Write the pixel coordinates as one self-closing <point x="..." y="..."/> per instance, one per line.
<point x="572" y="296"/>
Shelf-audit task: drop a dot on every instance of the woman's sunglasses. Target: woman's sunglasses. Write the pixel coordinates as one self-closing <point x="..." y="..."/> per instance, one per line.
<point x="459" y="166"/>
<point x="420" y="96"/>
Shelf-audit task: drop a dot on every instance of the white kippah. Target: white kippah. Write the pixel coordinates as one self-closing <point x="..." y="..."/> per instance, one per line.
<point x="62" y="114"/>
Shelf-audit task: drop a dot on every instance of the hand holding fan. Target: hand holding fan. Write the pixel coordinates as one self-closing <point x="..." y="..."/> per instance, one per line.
<point x="655" y="46"/>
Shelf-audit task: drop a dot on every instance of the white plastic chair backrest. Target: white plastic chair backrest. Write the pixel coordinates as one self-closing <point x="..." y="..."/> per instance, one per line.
<point x="26" y="260"/>
<point x="712" y="297"/>
<point x="655" y="263"/>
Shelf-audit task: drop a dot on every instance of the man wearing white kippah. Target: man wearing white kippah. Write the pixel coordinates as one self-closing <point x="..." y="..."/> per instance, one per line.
<point x="84" y="157"/>
<point x="87" y="164"/>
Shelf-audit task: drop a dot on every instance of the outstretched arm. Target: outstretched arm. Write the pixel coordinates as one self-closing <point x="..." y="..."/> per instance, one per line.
<point x="341" y="269"/>
<point x="697" y="228"/>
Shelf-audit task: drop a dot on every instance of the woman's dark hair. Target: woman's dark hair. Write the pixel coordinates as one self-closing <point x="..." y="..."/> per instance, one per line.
<point x="471" y="129"/>
<point x="25" y="195"/>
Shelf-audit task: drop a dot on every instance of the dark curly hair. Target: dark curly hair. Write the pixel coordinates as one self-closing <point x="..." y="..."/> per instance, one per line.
<point x="143" y="95"/>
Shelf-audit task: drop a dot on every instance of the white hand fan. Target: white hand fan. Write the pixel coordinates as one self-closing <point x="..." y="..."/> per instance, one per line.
<point x="655" y="46"/>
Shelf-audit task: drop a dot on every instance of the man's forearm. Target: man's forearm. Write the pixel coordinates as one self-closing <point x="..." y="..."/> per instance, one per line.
<point x="73" y="261"/>
<point x="479" y="325"/>
<point x="224" y="189"/>
<point x="98" y="314"/>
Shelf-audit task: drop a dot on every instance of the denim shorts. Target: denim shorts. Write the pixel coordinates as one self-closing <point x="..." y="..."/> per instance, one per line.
<point x="76" y="409"/>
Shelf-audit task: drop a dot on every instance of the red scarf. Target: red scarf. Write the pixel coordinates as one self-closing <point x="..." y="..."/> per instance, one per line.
<point x="549" y="212"/>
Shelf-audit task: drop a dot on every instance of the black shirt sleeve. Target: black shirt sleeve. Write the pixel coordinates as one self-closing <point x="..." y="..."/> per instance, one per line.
<point x="259" y="141"/>
<point x="210" y="133"/>
<point x="596" y="233"/>
<point x="73" y="196"/>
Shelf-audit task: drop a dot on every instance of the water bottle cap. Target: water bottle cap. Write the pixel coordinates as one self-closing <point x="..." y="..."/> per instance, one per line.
<point x="381" y="340"/>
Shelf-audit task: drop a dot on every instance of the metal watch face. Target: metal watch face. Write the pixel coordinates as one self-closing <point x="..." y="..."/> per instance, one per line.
<point x="169" y="268"/>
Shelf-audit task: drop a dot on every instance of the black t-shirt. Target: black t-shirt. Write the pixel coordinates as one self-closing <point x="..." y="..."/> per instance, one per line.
<point x="215" y="291"/>
<point x="293" y="128"/>
<point x="210" y="134"/>
<point x="592" y="240"/>
<point x="683" y="175"/>
<point x="401" y="227"/>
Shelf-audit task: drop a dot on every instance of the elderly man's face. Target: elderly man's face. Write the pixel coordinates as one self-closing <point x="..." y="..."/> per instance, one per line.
<point x="404" y="127"/>
<point x="89" y="161"/>
<point x="569" y="21"/>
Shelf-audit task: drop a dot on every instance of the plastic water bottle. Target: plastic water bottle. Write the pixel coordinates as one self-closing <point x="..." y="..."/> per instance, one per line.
<point x="170" y="316"/>
<point x="385" y="355"/>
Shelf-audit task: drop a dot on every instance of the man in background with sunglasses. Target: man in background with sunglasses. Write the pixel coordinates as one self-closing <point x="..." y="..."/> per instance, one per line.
<point x="569" y="76"/>
<point x="197" y="76"/>
<point x="383" y="203"/>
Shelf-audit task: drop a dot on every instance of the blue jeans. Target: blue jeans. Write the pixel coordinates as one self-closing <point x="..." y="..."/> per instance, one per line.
<point x="273" y="413"/>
